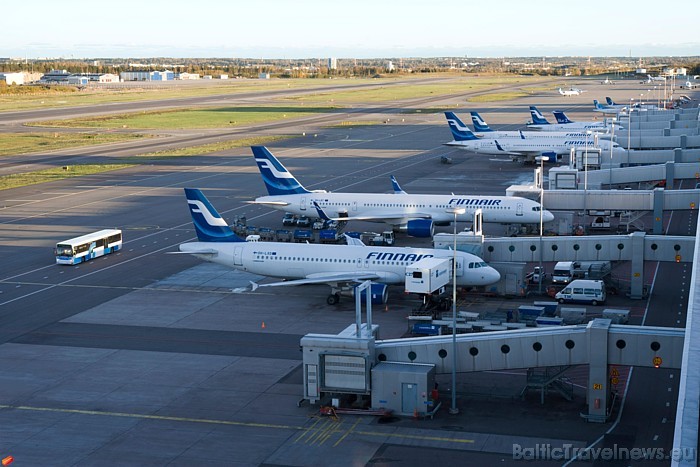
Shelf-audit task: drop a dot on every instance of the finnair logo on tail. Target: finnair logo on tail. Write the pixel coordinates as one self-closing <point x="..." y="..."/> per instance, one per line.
<point x="456" y="125"/>
<point x="479" y="123"/>
<point x="197" y="206"/>
<point x="265" y="164"/>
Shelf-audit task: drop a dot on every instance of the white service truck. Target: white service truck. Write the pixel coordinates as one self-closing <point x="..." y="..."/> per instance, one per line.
<point x="428" y="275"/>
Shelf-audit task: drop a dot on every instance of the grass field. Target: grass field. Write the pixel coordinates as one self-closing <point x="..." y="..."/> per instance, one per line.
<point x="458" y="85"/>
<point x="51" y="175"/>
<point x="498" y="96"/>
<point x="131" y="92"/>
<point x="220" y="117"/>
<point x="22" y="143"/>
<point x="210" y="148"/>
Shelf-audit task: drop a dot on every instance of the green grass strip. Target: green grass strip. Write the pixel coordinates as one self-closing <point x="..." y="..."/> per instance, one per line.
<point x="221" y="117"/>
<point x="52" y="175"/>
<point x="23" y="143"/>
<point x="212" y="147"/>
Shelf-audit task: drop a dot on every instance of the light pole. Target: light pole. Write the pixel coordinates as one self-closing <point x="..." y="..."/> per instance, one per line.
<point x="629" y="131"/>
<point x="585" y="182"/>
<point x="612" y="141"/>
<point x="541" y="277"/>
<point x="456" y="211"/>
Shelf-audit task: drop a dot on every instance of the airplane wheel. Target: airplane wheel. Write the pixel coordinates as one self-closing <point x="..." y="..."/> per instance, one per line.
<point x="333" y="299"/>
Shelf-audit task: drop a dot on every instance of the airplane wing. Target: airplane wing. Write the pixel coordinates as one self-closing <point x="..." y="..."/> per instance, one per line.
<point x="269" y="203"/>
<point x="389" y="218"/>
<point x="201" y="251"/>
<point x="322" y="278"/>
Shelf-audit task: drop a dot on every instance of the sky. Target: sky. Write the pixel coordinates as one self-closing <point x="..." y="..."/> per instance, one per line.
<point x="348" y="29"/>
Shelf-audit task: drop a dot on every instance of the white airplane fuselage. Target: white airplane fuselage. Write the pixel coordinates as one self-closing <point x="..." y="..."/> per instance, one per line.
<point x="566" y="133"/>
<point x="397" y="208"/>
<point x="303" y="260"/>
<point x="530" y="146"/>
<point x="581" y="127"/>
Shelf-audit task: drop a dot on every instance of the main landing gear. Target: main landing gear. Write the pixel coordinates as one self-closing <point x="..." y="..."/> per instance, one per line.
<point x="333" y="299"/>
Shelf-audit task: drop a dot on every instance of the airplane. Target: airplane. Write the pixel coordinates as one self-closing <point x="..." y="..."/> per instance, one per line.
<point x="655" y="78"/>
<point x="339" y="266"/>
<point x="636" y="106"/>
<point x="486" y="132"/>
<point x="416" y="214"/>
<point x="540" y="123"/>
<point x="608" y="109"/>
<point x="526" y="150"/>
<point x="563" y="120"/>
<point x="570" y="92"/>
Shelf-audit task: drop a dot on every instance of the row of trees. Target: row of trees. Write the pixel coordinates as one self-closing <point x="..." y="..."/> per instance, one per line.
<point x="249" y="68"/>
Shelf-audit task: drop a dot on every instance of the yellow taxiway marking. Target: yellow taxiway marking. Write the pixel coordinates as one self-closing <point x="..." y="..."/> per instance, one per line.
<point x="352" y="428"/>
<point x="150" y="417"/>
<point x="314" y="434"/>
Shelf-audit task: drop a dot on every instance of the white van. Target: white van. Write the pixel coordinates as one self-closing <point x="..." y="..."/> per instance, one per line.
<point x="564" y="271"/>
<point x="583" y="290"/>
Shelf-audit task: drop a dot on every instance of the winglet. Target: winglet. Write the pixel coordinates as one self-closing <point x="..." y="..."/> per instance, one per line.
<point x="278" y="180"/>
<point x="320" y="212"/>
<point x="498" y="146"/>
<point x="397" y="187"/>
<point x="352" y="241"/>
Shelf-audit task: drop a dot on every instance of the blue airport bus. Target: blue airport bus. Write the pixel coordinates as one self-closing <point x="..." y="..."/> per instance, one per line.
<point x="80" y="249"/>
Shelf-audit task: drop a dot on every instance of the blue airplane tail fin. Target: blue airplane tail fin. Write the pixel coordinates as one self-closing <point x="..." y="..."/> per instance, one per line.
<point x="479" y="124"/>
<point x="460" y="131"/>
<point x="278" y="180"/>
<point x="597" y="105"/>
<point x="610" y="101"/>
<point x="537" y="117"/>
<point x="210" y="226"/>
<point x="561" y="117"/>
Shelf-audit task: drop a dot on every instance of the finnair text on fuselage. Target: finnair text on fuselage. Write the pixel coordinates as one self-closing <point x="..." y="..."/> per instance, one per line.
<point x="382" y="256"/>
<point x="474" y="202"/>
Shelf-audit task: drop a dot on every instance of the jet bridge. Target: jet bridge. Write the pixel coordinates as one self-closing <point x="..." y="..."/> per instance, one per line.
<point x="636" y="247"/>
<point x="337" y="364"/>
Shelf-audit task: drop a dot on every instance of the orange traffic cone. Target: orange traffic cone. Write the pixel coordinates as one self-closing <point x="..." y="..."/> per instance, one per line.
<point x="263" y="325"/>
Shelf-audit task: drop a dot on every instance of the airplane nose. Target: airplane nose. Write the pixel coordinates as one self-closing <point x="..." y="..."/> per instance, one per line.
<point x="491" y="276"/>
<point x="547" y="216"/>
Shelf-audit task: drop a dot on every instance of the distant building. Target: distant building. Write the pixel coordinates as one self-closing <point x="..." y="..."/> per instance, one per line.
<point x="78" y="80"/>
<point x="108" y="78"/>
<point x="165" y="75"/>
<point x="55" y="77"/>
<point x="332" y="63"/>
<point x="264" y="76"/>
<point x="223" y="77"/>
<point x="390" y="66"/>
<point x="13" y="78"/>
<point x="188" y="76"/>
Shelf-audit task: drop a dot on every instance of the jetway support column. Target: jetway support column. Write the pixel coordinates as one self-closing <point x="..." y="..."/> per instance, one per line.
<point x="670" y="172"/>
<point x="597" y="395"/>
<point x="658" y="206"/>
<point x="637" y="271"/>
<point x="677" y="158"/>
